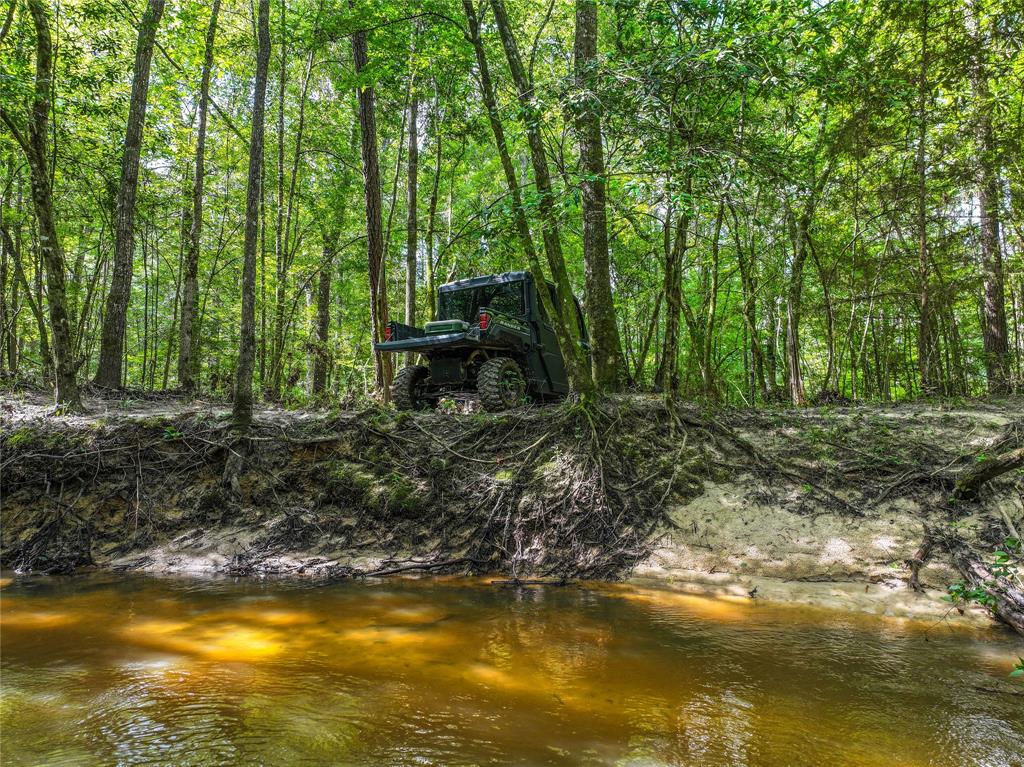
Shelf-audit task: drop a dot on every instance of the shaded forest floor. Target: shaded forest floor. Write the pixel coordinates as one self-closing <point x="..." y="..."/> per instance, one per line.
<point x="858" y="498"/>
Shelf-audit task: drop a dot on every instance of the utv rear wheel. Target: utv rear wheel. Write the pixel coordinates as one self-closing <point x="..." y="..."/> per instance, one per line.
<point x="501" y="384"/>
<point x="408" y="386"/>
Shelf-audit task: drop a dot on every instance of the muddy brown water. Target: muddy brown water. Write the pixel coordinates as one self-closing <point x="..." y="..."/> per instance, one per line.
<point x="132" y="670"/>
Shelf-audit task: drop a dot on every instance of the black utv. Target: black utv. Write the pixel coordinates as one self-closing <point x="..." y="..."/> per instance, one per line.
<point x="492" y="336"/>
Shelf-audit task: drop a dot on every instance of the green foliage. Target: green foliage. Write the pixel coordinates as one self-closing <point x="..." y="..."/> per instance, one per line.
<point x="961" y="595"/>
<point x="1004" y="565"/>
<point x="1018" y="669"/>
<point x="19" y="438"/>
<point x="171" y="434"/>
<point x="740" y="115"/>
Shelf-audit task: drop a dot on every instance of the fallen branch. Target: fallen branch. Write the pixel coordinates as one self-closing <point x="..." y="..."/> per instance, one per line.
<point x="967" y="487"/>
<point x="917" y="561"/>
<point x="414" y="567"/>
<point x="1003" y="454"/>
<point x="1007" y="602"/>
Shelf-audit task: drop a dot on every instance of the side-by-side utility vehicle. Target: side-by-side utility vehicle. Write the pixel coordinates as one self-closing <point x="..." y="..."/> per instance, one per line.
<point x="491" y="336"/>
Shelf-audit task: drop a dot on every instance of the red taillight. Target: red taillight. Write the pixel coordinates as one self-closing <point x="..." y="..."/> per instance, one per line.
<point x="485" y="320"/>
<point x="387" y="332"/>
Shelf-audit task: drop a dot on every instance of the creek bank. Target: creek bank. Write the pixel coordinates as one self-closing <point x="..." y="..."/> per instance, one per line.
<point x="723" y="502"/>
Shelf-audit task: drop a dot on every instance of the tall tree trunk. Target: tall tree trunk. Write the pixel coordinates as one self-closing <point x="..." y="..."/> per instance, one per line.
<point x="771" y="348"/>
<point x="190" y="280"/>
<point x="994" y="331"/>
<point x="321" y="352"/>
<point x="794" y="298"/>
<point x="242" y="410"/>
<point x="183" y="237"/>
<point x="606" y="348"/>
<point x="749" y="283"/>
<point x="676" y="244"/>
<point x="413" y="179"/>
<point x="800" y="236"/>
<point x="144" y="336"/>
<point x="108" y="373"/>
<point x="35" y="147"/>
<point x="263" y="280"/>
<point x="645" y="345"/>
<point x="280" y="277"/>
<point x="831" y="383"/>
<point x="8" y="315"/>
<point x="290" y="240"/>
<point x="711" y="309"/>
<point x="566" y="326"/>
<point x="927" y="352"/>
<point x="374" y="223"/>
<point x="565" y="343"/>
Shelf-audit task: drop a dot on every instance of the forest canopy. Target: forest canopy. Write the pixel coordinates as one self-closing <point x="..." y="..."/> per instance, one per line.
<point x="756" y="200"/>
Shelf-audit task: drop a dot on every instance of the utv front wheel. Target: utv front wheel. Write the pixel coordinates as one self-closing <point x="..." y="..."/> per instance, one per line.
<point x="501" y="384"/>
<point x="407" y="388"/>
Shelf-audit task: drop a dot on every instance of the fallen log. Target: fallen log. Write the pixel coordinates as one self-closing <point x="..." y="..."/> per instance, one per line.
<point x="967" y="486"/>
<point x="1006" y="598"/>
<point x="1003" y="455"/>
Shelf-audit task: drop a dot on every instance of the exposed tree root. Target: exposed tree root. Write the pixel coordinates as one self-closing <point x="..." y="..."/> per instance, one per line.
<point x="555" y="493"/>
<point x="560" y="492"/>
<point x="916" y="562"/>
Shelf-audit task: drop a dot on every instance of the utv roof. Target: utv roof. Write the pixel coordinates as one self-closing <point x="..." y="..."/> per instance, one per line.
<point x="487" y="279"/>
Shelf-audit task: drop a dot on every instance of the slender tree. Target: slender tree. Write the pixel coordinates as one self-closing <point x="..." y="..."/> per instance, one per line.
<point x="411" y="233"/>
<point x="109" y="370"/>
<point x="242" y="410"/>
<point x="606" y="354"/>
<point x="993" y="331"/>
<point x="36" y="147"/>
<point x="374" y="222"/>
<point x="504" y="155"/>
<point x="565" y="323"/>
<point x="675" y="244"/>
<point x="188" y="335"/>
<point x="321" y="348"/>
<point x="927" y="353"/>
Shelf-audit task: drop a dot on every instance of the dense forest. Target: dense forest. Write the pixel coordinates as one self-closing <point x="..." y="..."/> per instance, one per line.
<point x="757" y="200"/>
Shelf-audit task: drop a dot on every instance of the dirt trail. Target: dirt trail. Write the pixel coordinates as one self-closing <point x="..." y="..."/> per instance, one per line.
<point x="728" y="501"/>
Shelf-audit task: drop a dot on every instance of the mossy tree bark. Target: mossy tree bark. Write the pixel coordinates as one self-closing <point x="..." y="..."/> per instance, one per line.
<point x="606" y="354"/>
<point x="35" y="145"/>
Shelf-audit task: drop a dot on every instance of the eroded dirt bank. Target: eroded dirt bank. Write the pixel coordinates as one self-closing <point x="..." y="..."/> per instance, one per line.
<point x="843" y="506"/>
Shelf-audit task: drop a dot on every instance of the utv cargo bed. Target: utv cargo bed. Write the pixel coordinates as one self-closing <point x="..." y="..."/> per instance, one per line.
<point x="492" y="336"/>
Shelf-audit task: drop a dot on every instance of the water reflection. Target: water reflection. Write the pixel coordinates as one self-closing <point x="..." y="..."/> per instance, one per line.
<point x="131" y="670"/>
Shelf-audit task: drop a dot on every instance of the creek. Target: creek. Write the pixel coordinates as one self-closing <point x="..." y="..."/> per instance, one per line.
<point x="110" y="669"/>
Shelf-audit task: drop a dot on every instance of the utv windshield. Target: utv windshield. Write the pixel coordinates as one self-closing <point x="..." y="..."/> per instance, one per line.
<point x="466" y="303"/>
